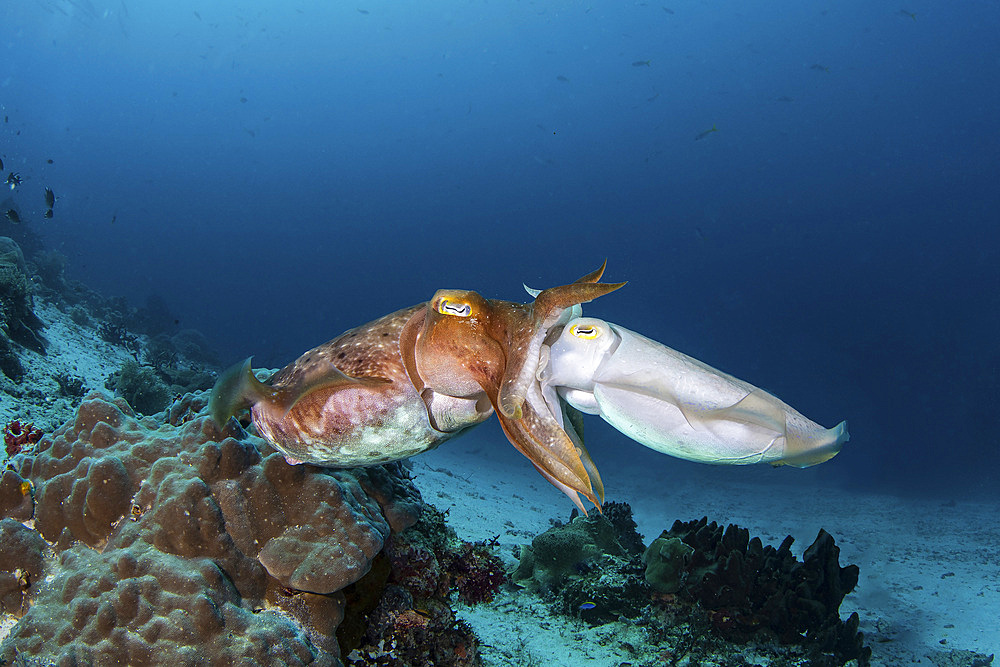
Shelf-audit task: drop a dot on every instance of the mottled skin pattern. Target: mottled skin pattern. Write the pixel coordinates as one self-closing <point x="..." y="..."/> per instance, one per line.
<point x="357" y="424"/>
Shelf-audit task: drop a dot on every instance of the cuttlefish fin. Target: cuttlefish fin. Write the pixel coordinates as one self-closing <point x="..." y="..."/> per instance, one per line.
<point x="803" y="453"/>
<point x="756" y="408"/>
<point x="320" y="377"/>
<point x="548" y="307"/>
<point x="238" y="389"/>
<point x="554" y="453"/>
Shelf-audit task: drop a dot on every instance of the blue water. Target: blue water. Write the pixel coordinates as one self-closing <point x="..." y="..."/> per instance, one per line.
<point x="280" y="172"/>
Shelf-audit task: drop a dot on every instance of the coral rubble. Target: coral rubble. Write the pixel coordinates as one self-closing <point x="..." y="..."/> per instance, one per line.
<point x="179" y="538"/>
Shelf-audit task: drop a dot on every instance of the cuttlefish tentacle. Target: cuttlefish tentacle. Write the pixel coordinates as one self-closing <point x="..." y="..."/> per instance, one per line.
<point x="560" y="458"/>
<point x="550" y="308"/>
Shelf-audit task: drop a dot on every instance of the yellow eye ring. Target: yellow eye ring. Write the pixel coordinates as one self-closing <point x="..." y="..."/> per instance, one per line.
<point x="585" y="331"/>
<point x="456" y="308"/>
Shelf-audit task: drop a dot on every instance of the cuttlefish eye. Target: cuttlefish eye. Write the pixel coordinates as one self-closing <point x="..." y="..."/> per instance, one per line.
<point x="585" y="331"/>
<point x="456" y="308"/>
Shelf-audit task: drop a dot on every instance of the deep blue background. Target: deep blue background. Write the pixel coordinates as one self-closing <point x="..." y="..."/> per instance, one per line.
<point x="279" y="172"/>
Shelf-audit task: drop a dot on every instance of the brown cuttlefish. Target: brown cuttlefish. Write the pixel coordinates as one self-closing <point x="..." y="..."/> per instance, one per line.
<point x="404" y="383"/>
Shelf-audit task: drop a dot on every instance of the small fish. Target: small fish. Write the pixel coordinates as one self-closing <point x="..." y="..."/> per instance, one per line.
<point x="50" y="198"/>
<point x="1" y="165"/>
<point x="702" y="135"/>
<point x="363" y="11"/>
<point x="13" y="180"/>
<point x="642" y="63"/>
<point x="820" y="68"/>
<point x="50" y="160"/>
<point x="903" y="12"/>
<point x="13" y="216"/>
<point x="197" y="15"/>
<point x="668" y="10"/>
<point x="558" y="78"/>
<point x="587" y="606"/>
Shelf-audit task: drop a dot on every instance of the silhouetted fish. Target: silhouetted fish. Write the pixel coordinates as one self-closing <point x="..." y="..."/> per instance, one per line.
<point x="642" y="63"/>
<point x="50" y="198"/>
<point x="13" y="180"/>
<point x="821" y="68"/>
<point x="702" y="135"/>
<point x="562" y="78"/>
<point x="13" y="216"/>
<point x="1" y="165"/>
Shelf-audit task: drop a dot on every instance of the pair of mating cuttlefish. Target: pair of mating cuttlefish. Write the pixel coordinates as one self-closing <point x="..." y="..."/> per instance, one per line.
<point x="408" y="381"/>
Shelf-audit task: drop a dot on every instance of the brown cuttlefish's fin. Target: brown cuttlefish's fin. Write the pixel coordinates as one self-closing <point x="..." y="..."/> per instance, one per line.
<point x="238" y="389"/>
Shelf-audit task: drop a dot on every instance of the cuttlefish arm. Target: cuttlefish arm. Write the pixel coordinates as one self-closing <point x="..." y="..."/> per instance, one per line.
<point x="677" y="405"/>
<point x="467" y="346"/>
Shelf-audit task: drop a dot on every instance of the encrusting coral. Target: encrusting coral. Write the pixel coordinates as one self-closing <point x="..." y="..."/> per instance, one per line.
<point x="177" y="537"/>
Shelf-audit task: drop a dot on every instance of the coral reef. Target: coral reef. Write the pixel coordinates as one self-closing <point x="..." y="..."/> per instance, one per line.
<point x="193" y="541"/>
<point x="18" y="321"/>
<point x="70" y="385"/>
<point x="749" y="588"/>
<point x="412" y="623"/>
<point x="141" y="387"/>
<point x="698" y="587"/>
<point x="566" y="551"/>
<point x="17" y="436"/>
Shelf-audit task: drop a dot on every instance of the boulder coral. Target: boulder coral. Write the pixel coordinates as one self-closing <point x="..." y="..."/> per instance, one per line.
<point x="185" y="539"/>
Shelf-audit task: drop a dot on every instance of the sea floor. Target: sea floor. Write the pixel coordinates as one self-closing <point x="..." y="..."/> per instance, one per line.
<point x="930" y="572"/>
<point x="929" y="587"/>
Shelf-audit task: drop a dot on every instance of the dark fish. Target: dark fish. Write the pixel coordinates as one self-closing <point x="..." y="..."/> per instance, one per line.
<point x="362" y="11"/>
<point x="13" y="180"/>
<point x="50" y="160"/>
<point x="818" y="67"/>
<point x="1" y="165"/>
<point x="243" y="100"/>
<point x="13" y="216"/>
<point x="50" y="198"/>
<point x="642" y="63"/>
<point x="668" y="10"/>
<point x="903" y="12"/>
<point x="558" y="78"/>
<point x="702" y="135"/>
<point x="197" y="15"/>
